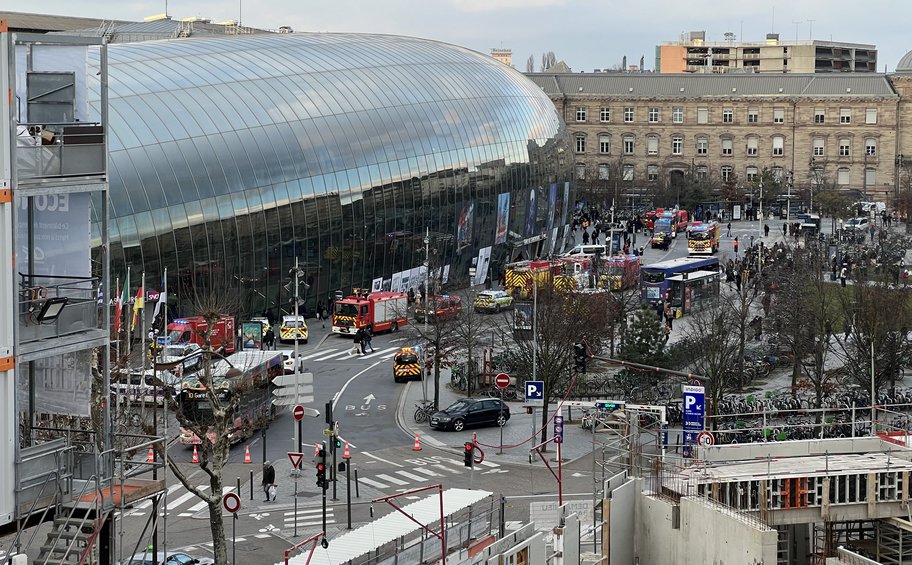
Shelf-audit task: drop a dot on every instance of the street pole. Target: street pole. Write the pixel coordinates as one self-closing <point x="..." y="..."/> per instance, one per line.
<point x="295" y="501"/>
<point x="534" y="340"/>
<point x="873" y="414"/>
<point x="760" y="232"/>
<point x="323" y="489"/>
<point x="560" y="475"/>
<point x="427" y="290"/>
<point x="297" y="357"/>
<point x="348" y="493"/>
<point x="234" y="538"/>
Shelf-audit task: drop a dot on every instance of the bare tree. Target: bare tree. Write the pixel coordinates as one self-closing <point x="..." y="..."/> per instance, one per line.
<point x="530" y="64"/>
<point x="715" y="348"/>
<point x="467" y="333"/>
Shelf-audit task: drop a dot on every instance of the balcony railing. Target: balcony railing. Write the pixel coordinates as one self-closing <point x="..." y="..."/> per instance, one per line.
<point x="48" y="151"/>
<point x="80" y="309"/>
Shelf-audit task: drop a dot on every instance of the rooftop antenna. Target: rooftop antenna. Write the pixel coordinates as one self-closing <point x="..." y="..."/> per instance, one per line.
<point x="796" y="28"/>
<point x="811" y="31"/>
<point x="773" y="21"/>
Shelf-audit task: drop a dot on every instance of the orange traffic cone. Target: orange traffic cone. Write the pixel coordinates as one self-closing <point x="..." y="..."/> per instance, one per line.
<point x="151" y="457"/>
<point x="346" y="454"/>
<point x="417" y="443"/>
<point x="247" y="454"/>
<point x="196" y="457"/>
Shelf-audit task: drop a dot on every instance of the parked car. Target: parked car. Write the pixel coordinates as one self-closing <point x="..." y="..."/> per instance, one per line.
<point x="288" y="356"/>
<point x="859" y="224"/>
<point x="470" y="412"/>
<point x="587" y="250"/>
<point x="492" y="301"/>
<point x="177" y="558"/>
<point x="189" y="354"/>
<point x="439" y="308"/>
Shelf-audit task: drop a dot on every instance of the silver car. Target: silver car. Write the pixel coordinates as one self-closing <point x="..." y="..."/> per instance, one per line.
<point x="173" y="558"/>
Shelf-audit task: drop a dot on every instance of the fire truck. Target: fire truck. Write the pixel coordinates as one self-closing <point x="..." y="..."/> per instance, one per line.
<point x="193" y="329"/>
<point x="704" y="238"/>
<point x="623" y="271"/>
<point x="519" y="276"/>
<point x="384" y="311"/>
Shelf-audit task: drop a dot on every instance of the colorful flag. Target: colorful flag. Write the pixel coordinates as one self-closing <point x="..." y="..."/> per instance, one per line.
<point x="137" y="306"/>
<point x="118" y="308"/>
<point x="162" y="297"/>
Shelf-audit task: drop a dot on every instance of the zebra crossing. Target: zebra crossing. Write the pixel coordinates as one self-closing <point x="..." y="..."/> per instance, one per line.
<point x="342" y="354"/>
<point x="424" y="470"/>
<point x="180" y="506"/>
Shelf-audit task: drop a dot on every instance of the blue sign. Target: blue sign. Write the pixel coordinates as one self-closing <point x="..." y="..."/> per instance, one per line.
<point x="535" y="390"/>
<point x="692" y="414"/>
<point x="163" y="340"/>
<point x="610" y="404"/>
<point x="558" y="429"/>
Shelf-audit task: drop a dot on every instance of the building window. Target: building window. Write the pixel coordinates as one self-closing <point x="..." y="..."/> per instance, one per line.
<point x="778" y="115"/>
<point x="628" y="145"/>
<point x="778" y="146"/>
<point x="702" y="172"/>
<point x="677" y="145"/>
<point x="702" y="145"/>
<point x="652" y="173"/>
<point x="753" y="116"/>
<point x="871" y="116"/>
<point x="653" y="115"/>
<point x="727" y="146"/>
<point x="870" y="177"/>
<point x="842" y="176"/>
<point x="819" y="115"/>
<point x="604" y="144"/>
<point x="845" y="149"/>
<point x="580" y="143"/>
<point x="753" y="146"/>
<point x="818" y="147"/>
<point x="581" y="113"/>
<point x="726" y="173"/>
<point x="677" y="115"/>
<point x="845" y="115"/>
<point x="652" y="145"/>
<point x="605" y="115"/>
<point x="751" y="174"/>
<point x="870" y="147"/>
<point x="776" y="174"/>
<point x="604" y="172"/>
<point x="702" y="115"/>
<point x="628" y="172"/>
<point x="728" y="116"/>
<point x="628" y="115"/>
<point x="581" y="171"/>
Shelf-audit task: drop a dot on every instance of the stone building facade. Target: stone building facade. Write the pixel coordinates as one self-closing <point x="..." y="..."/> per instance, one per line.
<point x="634" y="132"/>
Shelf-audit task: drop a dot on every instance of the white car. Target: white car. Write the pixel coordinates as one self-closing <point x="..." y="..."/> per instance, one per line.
<point x="189" y="354"/>
<point x="584" y="250"/>
<point x="288" y="357"/>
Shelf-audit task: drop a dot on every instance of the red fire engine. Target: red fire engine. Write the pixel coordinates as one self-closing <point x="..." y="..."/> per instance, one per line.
<point x="193" y="328"/>
<point x="383" y="310"/>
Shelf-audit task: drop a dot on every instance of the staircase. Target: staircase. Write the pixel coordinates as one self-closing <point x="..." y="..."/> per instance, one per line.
<point x="71" y="541"/>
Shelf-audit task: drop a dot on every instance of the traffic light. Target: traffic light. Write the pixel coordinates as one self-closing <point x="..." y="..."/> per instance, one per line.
<point x="579" y="357"/>
<point x="469" y="455"/>
<point x="321" y="467"/>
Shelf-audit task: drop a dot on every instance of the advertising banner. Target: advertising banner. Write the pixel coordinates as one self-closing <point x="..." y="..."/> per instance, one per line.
<point x="61" y="228"/>
<point x="503" y="217"/>
<point x="252" y="335"/>
<point x="531" y="209"/>
<point x="693" y="414"/>
<point x="464" y="223"/>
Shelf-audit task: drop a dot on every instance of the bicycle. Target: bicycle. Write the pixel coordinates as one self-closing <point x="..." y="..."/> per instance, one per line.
<point x="424" y="411"/>
<point x="458" y="378"/>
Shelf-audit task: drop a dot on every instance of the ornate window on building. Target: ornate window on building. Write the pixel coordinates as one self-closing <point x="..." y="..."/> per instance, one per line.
<point x="677" y="115"/>
<point x="581" y="113"/>
<point x="580" y="143"/>
<point x="628" y="114"/>
<point x="726" y="173"/>
<point x="653" y="115"/>
<point x="845" y="115"/>
<point x="776" y="174"/>
<point x="819" y="150"/>
<point x="778" y="115"/>
<point x="870" y="177"/>
<point x="604" y="144"/>
<point x="870" y="147"/>
<point x="728" y="116"/>
<point x="628" y="172"/>
<point x="845" y="147"/>
<point x="702" y="115"/>
<point x="652" y="145"/>
<point x="753" y="116"/>
<point x="628" y="145"/>
<point x="871" y="116"/>
<point x="727" y="146"/>
<point x="753" y="146"/>
<point x="751" y="174"/>
<point x="604" y="172"/>
<point x="605" y="114"/>
<point x="702" y="172"/>
<point x="842" y="176"/>
<point x="778" y="146"/>
<point x="702" y="145"/>
<point x="819" y="115"/>
<point x="652" y="173"/>
<point x="677" y="145"/>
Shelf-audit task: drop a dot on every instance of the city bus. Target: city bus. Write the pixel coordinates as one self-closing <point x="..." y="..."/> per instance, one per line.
<point x="245" y="373"/>
<point x="704" y="238"/>
<point x="654" y="278"/>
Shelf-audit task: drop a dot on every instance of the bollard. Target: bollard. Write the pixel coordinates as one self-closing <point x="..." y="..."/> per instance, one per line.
<point x="357" y="494"/>
<point x="239" y="486"/>
<point x="251" y="485"/>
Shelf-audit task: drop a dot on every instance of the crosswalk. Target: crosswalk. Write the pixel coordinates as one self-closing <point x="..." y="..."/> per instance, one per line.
<point x="342" y="354"/>
<point x="179" y="506"/>
<point x="432" y="469"/>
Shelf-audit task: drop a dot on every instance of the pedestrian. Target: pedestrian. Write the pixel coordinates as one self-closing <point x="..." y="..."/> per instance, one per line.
<point x="269" y="486"/>
<point x="736" y="245"/>
<point x="362" y="340"/>
<point x="669" y="316"/>
<point x="368" y="335"/>
<point x="766" y="230"/>
<point x="842" y="276"/>
<point x="751" y="241"/>
<point x="729" y="234"/>
<point x="585" y="237"/>
<point x="269" y="339"/>
<point x="785" y="228"/>
<point x="356" y="344"/>
<point x="660" y="309"/>
<point x="323" y="315"/>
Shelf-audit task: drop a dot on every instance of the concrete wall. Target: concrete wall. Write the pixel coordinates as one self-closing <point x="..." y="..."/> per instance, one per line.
<point x="835" y="446"/>
<point x="620" y="514"/>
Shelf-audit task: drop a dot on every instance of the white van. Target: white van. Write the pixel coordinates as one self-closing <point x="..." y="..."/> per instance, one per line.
<point x="871" y="208"/>
<point x="580" y="250"/>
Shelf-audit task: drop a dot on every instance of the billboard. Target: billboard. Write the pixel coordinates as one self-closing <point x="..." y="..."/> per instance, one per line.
<point x="464" y="224"/>
<point x="531" y="209"/>
<point x="503" y="217"/>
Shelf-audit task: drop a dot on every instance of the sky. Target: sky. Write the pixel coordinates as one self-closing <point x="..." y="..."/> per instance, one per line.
<point x="586" y="34"/>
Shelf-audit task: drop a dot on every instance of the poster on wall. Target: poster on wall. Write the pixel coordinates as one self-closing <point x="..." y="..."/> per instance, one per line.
<point x="415" y="279"/>
<point x="61" y="230"/>
<point x="566" y="202"/>
<point x="446" y="274"/>
<point x="553" y="241"/>
<point x="464" y="225"/>
<point x="377" y="284"/>
<point x="252" y="335"/>
<point x="397" y="280"/>
<point x="503" y="217"/>
<point x="529" y="230"/>
<point x="552" y="206"/>
<point x="481" y="269"/>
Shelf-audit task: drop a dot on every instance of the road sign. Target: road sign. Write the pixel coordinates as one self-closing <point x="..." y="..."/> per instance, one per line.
<point x="558" y="429"/>
<point x="610" y="404"/>
<point x="705" y="439"/>
<point x="502" y="380"/>
<point x="535" y="392"/>
<point x="692" y="414"/>
<point x="290" y="380"/>
<point x="231" y="502"/>
<point x="163" y="340"/>
<point x="291" y="401"/>
<point x="298" y="412"/>
<point x="295" y="459"/>
<point x="289" y="392"/>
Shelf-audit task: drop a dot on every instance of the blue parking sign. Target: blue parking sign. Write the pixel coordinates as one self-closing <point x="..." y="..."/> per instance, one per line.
<point x="693" y="414"/>
<point x="535" y="391"/>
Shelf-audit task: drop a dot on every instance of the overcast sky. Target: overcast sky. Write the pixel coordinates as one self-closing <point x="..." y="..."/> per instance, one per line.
<point x="587" y="34"/>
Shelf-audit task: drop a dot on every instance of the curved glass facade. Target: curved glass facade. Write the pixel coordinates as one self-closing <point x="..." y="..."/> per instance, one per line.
<point x="235" y="155"/>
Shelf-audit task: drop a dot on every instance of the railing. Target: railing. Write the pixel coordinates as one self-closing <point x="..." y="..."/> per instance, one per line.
<point x="46" y="151"/>
<point x="846" y="557"/>
<point x="21" y="522"/>
<point x="80" y="310"/>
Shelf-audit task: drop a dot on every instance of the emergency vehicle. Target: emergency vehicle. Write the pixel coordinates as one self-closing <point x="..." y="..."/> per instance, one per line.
<point x="438" y="308"/>
<point x="704" y="238"/>
<point x="407" y="365"/>
<point x="384" y="311"/>
<point x="519" y="276"/>
<point x="291" y="326"/>
<point x="193" y="330"/>
<point x="623" y="271"/>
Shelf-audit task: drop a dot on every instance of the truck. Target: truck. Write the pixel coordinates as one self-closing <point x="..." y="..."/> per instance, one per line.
<point x="192" y="329"/>
<point x="704" y="238"/>
<point x="383" y="311"/>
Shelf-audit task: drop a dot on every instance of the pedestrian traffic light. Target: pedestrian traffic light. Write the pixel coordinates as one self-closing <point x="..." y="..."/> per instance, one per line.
<point x="321" y="467"/>
<point x="338" y="442"/>
<point x="579" y="357"/>
<point x="469" y="455"/>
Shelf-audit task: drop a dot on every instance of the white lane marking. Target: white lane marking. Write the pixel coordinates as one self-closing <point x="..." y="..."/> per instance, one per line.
<point x="317" y="523"/>
<point x="372" y="456"/>
<point x="185" y="514"/>
<point x="331" y="355"/>
<point x="201" y="505"/>
<point x="489" y="464"/>
<point x="180" y="500"/>
<point x="427" y="472"/>
<point x="349" y="381"/>
<point x="390" y="479"/>
<point x="148" y="503"/>
<point x="372" y="483"/>
<point x="408" y="475"/>
<point x="388" y="356"/>
<point x="317" y="354"/>
<point x="329" y="515"/>
<point x="380" y="352"/>
<point x="310" y="511"/>
<point x="262" y="536"/>
<point x="447" y="469"/>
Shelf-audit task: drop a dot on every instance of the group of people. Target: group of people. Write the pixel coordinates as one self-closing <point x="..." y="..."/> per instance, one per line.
<point x="362" y="341"/>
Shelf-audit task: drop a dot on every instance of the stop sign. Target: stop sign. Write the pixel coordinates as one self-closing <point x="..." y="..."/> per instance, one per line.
<point x="298" y="412"/>
<point x="502" y="380"/>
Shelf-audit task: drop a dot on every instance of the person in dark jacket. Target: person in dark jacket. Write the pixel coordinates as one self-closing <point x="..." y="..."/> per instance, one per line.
<point x="269" y="339"/>
<point x="268" y="481"/>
